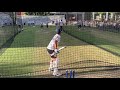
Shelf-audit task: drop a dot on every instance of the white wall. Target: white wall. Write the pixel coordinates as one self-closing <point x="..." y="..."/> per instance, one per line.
<point x="42" y="19"/>
<point x="5" y="18"/>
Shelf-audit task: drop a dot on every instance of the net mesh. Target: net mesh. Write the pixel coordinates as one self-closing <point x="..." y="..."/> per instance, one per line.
<point x="93" y="46"/>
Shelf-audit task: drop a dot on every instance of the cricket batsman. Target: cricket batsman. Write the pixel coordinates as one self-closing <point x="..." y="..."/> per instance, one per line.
<point x="52" y="49"/>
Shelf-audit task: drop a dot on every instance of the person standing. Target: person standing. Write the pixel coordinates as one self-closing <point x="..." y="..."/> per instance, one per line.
<point x="52" y="49"/>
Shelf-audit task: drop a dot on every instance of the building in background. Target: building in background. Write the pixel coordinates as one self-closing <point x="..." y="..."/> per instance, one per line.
<point x="19" y="20"/>
<point x="107" y="16"/>
<point x="20" y="13"/>
<point x="75" y="16"/>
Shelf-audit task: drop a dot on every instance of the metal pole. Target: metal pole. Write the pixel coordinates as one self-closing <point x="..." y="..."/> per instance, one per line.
<point x="106" y="16"/>
<point x="115" y="18"/>
<point x="111" y="15"/>
<point x="83" y="16"/>
<point x="76" y="16"/>
<point x="100" y="16"/>
<point x="93" y="14"/>
<point x="14" y="22"/>
<point x="66" y="18"/>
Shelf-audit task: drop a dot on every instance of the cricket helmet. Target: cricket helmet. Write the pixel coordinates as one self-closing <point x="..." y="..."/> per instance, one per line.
<point x="59" y="30"/>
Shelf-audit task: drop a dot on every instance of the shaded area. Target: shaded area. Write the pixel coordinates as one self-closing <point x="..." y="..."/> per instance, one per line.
<point x="105" y="73"/>
<point x="37" y="37"/>
<point x="40" y="37"/>
<point x="10" y="32"/>
<point x="17" y="65"/>
<point x="8" y="28"/>
<point x="80" y="67"/>
<point x="108" y="41"/>
<point x="6" y="45"/>
<point x="111" y="72"/>
<point x="14" y="69"/>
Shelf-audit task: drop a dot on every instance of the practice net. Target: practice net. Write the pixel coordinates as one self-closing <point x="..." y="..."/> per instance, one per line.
<point x="92" y="45"/>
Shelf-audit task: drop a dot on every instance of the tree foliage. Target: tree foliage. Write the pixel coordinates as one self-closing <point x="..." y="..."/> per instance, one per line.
<point x="37" y="13"/>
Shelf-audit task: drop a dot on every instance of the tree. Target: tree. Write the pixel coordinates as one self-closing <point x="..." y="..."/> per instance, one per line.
<point x="117" y="15"/>
<point x="37" y="13"/>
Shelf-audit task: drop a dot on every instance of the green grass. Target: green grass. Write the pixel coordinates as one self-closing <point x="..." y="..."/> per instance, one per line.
<point x="6" y="33"/>
<point x="27" y="53"/>
<point x="104" y="39"/>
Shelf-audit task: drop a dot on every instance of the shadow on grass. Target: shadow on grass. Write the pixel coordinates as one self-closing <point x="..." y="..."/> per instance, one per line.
<point x="94" y="71"/>
<point x="16" y="65"/>
<point x="6" y="45"/>
<point x="14" y="69"/>
<point x="41" y="38"/>
<point x="82" y="67"/>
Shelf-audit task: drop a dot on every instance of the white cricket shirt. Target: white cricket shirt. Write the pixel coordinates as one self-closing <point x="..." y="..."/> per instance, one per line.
<point x="52" y="42"/>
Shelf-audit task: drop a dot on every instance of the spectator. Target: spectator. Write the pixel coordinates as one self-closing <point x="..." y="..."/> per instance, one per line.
<point x="41" y="25"/>
<point x="61" y="25"/>
<point x="47" y="24"/>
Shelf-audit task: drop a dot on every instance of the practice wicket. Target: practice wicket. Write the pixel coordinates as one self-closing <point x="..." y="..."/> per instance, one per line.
<point x="72" y="74"/>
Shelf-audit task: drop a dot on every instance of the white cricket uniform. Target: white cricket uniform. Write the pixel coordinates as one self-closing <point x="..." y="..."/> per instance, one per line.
<point x="114" y="24"/>
<point x="52" y="42"/>
<point x="85" y="23"/>
<point x="61" y="23"/>
<point x="56" y="22"/>
<point x="57" y="25"/>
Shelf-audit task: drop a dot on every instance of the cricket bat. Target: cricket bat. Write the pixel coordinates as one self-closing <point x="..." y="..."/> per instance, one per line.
<point x="61" y="48"/>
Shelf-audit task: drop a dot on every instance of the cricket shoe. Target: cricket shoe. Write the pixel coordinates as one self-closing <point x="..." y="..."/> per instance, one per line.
<point x="56" y="74"/>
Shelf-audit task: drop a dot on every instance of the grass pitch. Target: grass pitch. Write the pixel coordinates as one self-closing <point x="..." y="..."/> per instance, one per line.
<point x="27" y="55"/>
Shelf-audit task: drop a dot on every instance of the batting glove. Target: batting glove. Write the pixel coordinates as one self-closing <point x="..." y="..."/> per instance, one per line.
<point x="56" y="51"/>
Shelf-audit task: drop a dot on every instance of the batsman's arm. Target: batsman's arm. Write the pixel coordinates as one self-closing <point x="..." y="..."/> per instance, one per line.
<point x="56" y="44"/>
